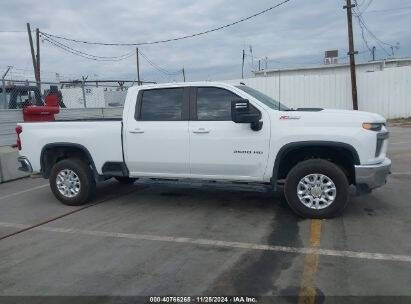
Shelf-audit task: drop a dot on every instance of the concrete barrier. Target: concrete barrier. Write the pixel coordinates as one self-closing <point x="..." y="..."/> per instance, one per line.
<point x="9" y="165"/>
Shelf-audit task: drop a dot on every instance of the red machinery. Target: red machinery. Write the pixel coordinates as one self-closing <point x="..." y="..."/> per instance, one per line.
<point x="44" y="112"/>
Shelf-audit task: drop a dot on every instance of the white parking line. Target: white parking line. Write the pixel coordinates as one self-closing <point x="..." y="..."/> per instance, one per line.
<point x="401" y="143"/>
<point x="401" y="173"/>
<point x="217" y="243"/>
<point x="23" y="191"/>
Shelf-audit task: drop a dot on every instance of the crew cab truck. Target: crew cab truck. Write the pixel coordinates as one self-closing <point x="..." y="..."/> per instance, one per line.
<point x="214" y="131"/>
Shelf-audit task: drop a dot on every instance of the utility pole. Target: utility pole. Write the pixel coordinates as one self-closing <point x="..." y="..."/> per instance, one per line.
<point x="242" y="66"/>
<point x="83" y="82"/>
<point x="138" y="68"/>
<point x="352" y="54"/>
<point x="33" y="56"/>
<point x="373" y="53"/>
<point x="259" y="64"/>
<point x="3" y="81"/>
<point x="38" y="59"/>
<point x="184" y="75"/>
<point x="252" y="57"/>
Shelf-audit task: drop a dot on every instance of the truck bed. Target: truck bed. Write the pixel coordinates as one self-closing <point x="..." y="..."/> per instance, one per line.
<point x="100" y="137"/>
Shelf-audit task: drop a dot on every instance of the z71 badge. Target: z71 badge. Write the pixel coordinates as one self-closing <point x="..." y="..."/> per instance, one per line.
<point x="289" y="117"/>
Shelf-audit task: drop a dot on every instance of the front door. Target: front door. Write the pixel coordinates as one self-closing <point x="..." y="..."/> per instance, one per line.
<point x="220" y="148"/>
<point x="156" y="140"/>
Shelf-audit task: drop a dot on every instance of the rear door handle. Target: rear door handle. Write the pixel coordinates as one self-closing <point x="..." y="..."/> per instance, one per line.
<point x="136" y="131"/>
<point x="202" y="130"/>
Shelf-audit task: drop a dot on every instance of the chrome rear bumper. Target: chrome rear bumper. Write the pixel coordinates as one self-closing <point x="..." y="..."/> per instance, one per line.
<point x="25" y="164"/>
<point x="368" y="177"/>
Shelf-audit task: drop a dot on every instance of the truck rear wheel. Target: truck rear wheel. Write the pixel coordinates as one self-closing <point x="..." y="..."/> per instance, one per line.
<point x="72" y="182"/>
<point x="316" y="188"/>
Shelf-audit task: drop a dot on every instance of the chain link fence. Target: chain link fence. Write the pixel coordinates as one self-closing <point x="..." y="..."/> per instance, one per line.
<point x="77" y="100"/>
<point x="75" y="94"/>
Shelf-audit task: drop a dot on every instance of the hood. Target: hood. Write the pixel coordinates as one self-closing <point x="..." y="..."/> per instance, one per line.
<point x="331" y="117"/>
<point x="368" y="116"/>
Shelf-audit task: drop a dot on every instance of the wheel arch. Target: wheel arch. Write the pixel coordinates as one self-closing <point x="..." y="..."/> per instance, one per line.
<point x="315" y="148"/>
<point x="53" y="152"/>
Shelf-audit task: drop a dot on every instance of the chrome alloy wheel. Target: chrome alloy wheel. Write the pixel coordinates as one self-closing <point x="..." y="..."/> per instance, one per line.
<point x="68" y="183"/>
<point x="316" y="191"/>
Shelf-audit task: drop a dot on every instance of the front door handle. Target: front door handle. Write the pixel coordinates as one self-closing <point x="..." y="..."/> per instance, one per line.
<point x="136" y="131"/>
<point x="202" y="130"/>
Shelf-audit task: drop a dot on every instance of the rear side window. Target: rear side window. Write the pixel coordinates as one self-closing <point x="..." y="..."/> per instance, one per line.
<point x="214" y="104"/>
<point x="162" y="104"/>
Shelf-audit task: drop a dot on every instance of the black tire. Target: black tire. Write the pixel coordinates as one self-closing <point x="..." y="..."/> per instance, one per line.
<point x="86" y="180"/>
<point x="125" y="179"/>
<point x="323" y="167"/>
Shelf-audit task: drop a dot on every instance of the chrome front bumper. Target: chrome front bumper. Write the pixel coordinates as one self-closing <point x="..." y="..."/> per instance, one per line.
<point x="368" y="177"/>
<point x="25" y="164"/>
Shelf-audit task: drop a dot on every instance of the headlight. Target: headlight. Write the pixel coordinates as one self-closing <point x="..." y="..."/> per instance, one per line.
<point x="373" y="126"/>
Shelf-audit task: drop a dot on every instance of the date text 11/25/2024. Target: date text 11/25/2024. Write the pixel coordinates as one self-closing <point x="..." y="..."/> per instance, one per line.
<point x="203" y="299"/>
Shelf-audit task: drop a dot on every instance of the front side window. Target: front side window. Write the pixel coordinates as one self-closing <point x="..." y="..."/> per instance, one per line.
<point x="268" y="101"/>
<point x="162" y="104"/>
<point x="214" y="104"/>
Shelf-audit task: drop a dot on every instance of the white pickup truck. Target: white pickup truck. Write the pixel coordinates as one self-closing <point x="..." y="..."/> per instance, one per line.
<point x="214" y="131"/>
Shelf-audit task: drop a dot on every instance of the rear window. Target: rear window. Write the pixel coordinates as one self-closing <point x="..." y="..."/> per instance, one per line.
<point x="162" y="104"/>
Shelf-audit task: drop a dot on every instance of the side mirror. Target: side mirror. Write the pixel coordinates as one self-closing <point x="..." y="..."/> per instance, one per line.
<point x="241" y="113"/>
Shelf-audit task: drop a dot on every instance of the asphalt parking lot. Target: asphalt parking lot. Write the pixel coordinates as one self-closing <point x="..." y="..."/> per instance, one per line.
<point x="167" y="238"/>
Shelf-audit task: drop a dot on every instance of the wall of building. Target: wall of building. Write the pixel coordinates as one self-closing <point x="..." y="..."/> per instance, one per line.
<point x="372" y="66"/>
<point x="386" y="91"/>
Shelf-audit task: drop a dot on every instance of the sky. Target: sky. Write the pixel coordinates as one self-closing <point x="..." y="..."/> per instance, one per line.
<point x="295" y="34"/>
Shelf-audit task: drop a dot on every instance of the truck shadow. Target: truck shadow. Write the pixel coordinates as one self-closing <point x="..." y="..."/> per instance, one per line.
<point x="227" y="195"/>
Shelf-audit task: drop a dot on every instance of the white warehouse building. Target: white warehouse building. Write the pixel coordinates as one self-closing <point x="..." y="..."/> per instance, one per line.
<point x="368" y="67"/>
<point x="383" y="86"/>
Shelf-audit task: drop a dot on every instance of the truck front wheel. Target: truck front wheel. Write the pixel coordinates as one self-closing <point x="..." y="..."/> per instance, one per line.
<point x="72" y="182"/>
<point x="316" y="188"/>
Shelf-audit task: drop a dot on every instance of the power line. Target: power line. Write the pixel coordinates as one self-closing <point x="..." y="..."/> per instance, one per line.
<point x="362" y="28"/>
<point x="90" y="57"/>
<point x="176" y="38"/>
<point x="76" y="52"/>
<point x="379" y="41"/>
<point x="366" y="7"/>
<point x="86" y="55"/>
<point x="64" y="46"/>
<point x="158" y="68"/>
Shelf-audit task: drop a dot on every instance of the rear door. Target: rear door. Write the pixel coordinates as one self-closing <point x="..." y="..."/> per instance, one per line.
<point x="156" y="140"/>
<point x="220" y="148"/>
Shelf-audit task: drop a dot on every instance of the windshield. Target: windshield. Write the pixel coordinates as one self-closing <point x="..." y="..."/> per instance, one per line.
<point x="268" y="101"/>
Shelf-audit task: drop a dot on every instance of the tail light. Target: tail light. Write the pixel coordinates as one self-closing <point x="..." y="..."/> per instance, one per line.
<point x="19" y="130"/>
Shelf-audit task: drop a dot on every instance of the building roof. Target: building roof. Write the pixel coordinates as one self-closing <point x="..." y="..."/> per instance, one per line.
<point x="333" y="66"/>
